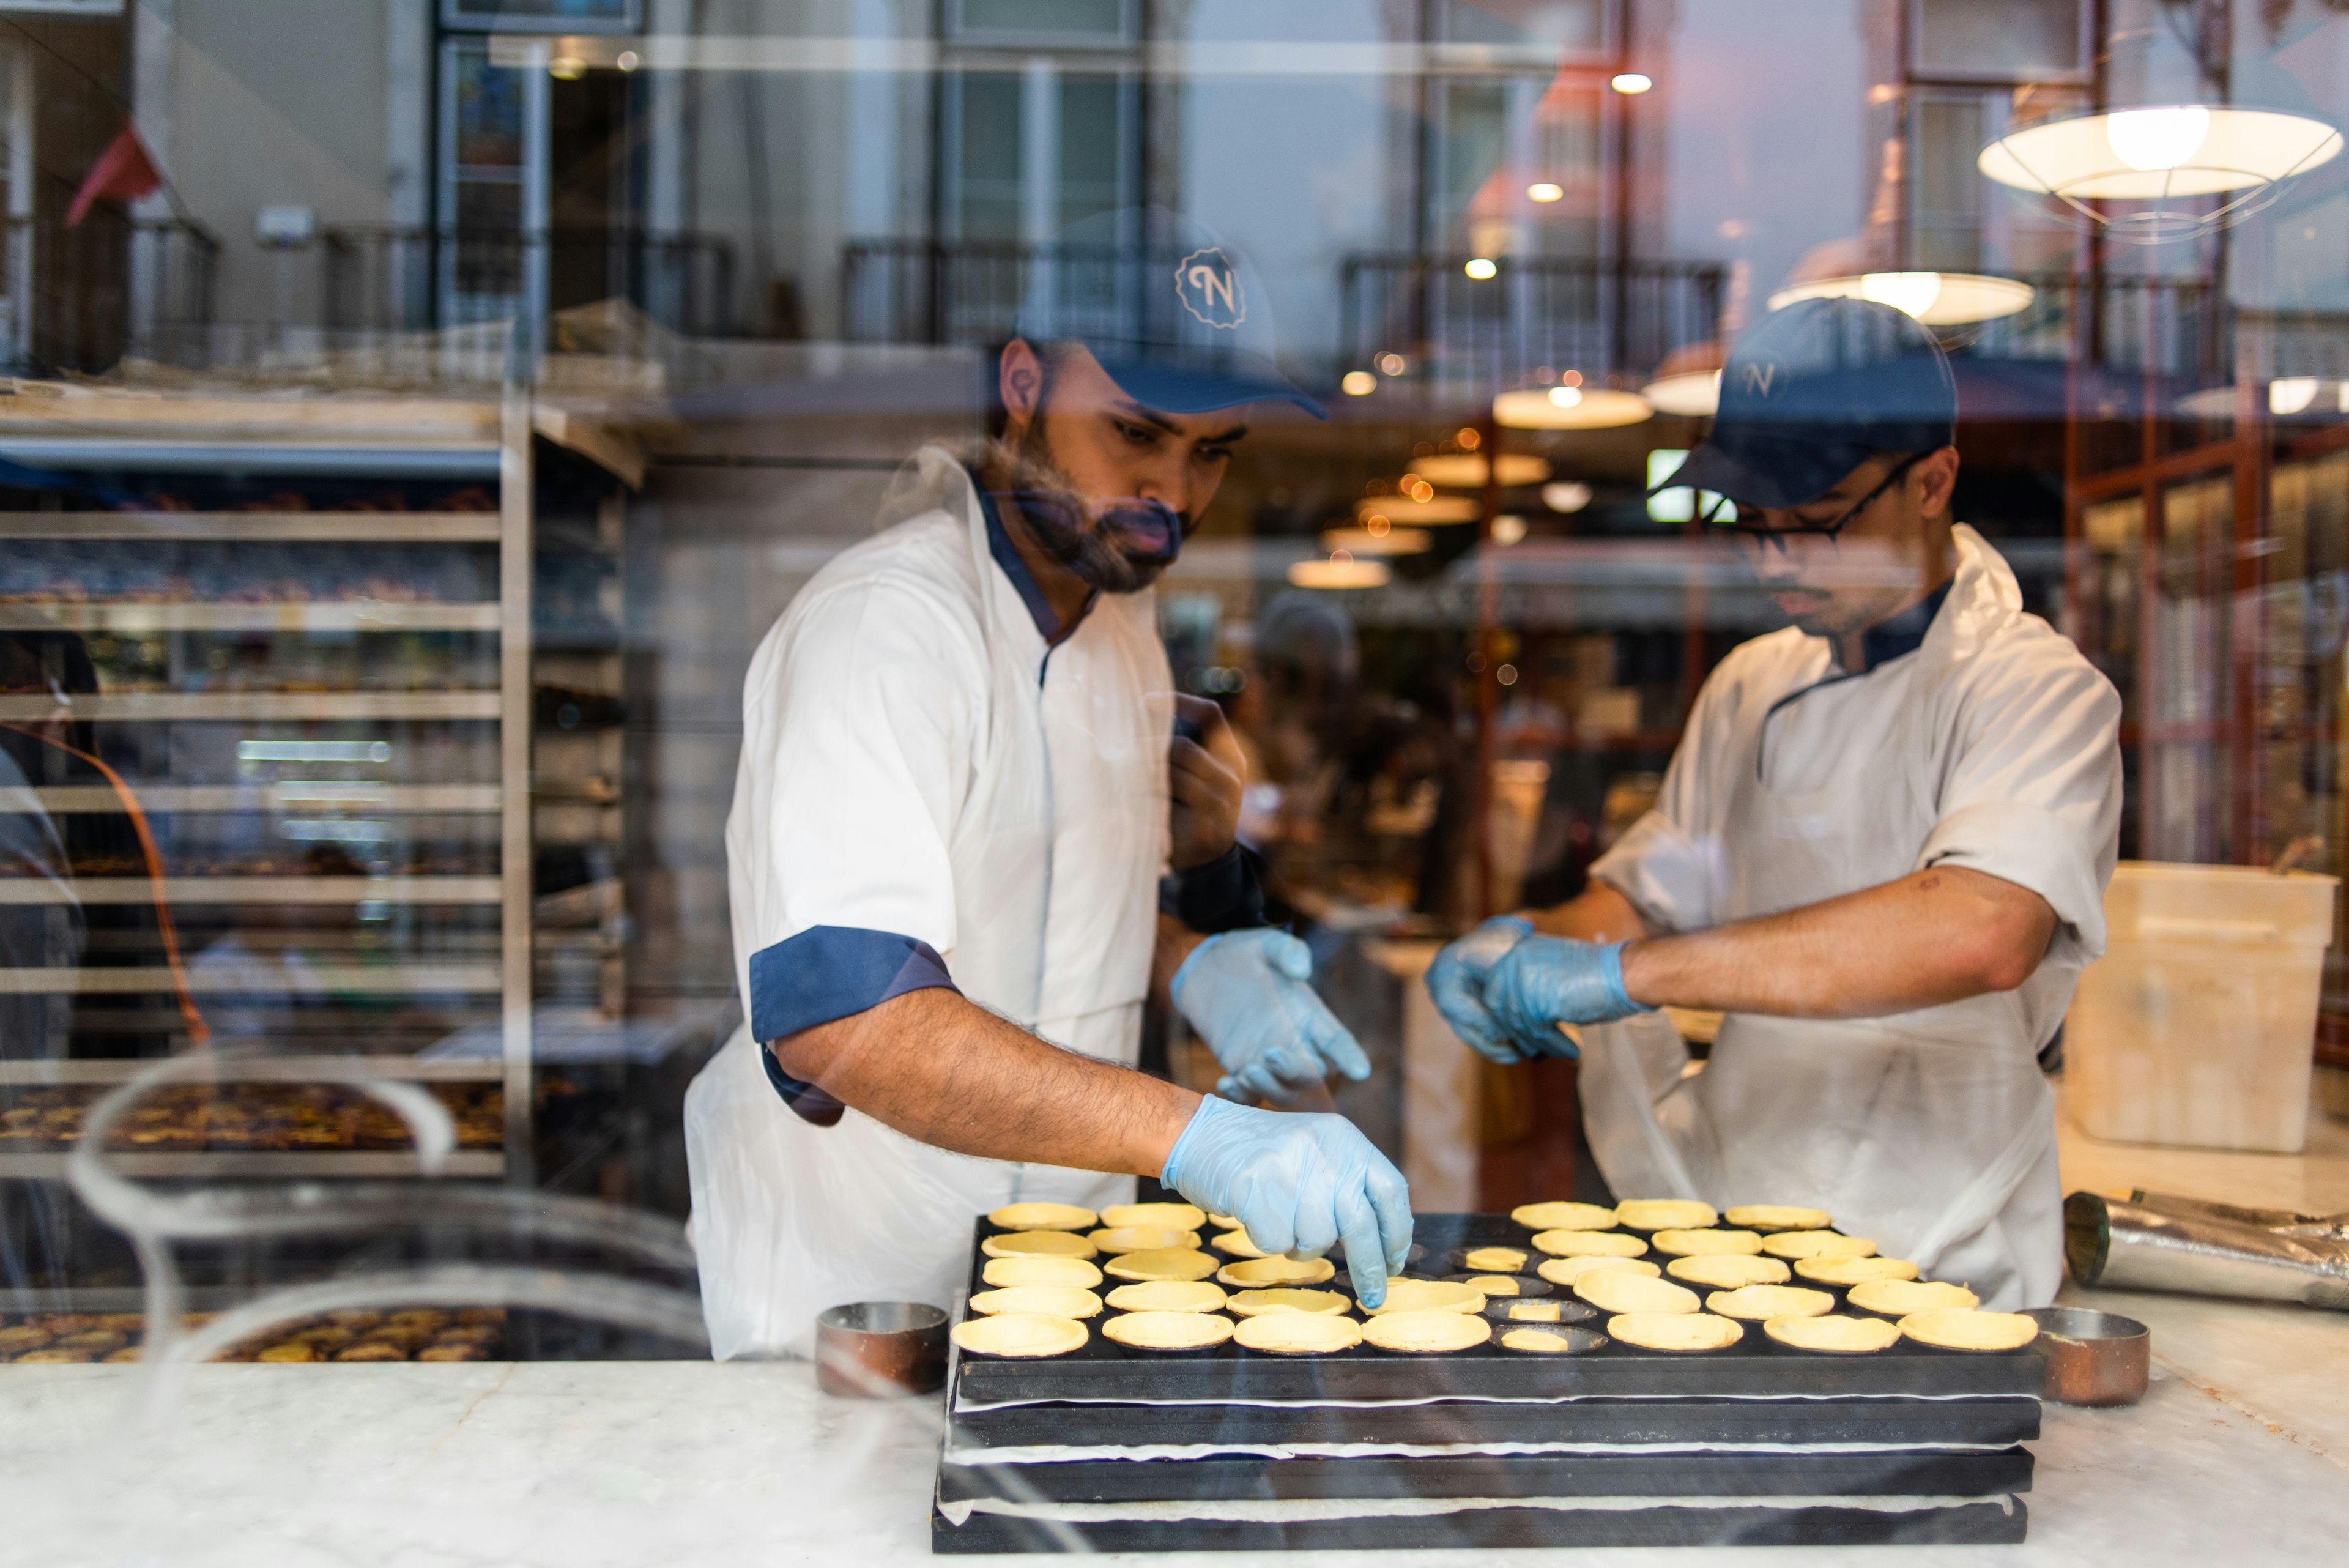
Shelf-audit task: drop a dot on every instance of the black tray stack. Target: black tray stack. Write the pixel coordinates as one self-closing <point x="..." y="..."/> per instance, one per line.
<point x="1115" y="1450"/>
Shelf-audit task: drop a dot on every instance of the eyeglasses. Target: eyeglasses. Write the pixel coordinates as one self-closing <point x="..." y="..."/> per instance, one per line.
<point x="1714" y="523"/>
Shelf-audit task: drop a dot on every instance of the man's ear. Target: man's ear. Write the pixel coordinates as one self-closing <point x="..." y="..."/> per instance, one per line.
<point x="1020" y="382"/>
<point x="1937" y="479"/>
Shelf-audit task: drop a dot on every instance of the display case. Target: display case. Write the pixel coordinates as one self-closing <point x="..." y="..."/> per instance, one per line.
<point x="293" y="780"/>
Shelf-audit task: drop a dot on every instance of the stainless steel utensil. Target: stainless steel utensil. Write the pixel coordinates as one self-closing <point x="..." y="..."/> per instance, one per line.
<point x="2094" y="1357"/>
<point x="875" y="1350"/>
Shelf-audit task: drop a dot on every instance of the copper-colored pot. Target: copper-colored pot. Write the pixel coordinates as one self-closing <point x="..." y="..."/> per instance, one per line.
<point x="875" y="1350"/>
<point x="2094" y="1357"/>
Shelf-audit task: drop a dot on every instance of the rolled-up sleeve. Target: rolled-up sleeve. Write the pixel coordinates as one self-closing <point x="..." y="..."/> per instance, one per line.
<point x="2032" y="792"/>
<point x="859" y="715"/>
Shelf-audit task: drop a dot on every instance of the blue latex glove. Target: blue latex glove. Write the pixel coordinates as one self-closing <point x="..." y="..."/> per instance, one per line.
<point x="1544" y="981"/>
<point x="1456" y="981"/>
<point x="1299" y="1184"/>
<point x="1247" y="994"/>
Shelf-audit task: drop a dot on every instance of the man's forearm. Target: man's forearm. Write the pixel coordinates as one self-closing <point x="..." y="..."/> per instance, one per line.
<point x="1935" y="936"/>
<point x="946" y="1072"/>
<point x="1598" y="914"/>
<point x="1176" y="941"/>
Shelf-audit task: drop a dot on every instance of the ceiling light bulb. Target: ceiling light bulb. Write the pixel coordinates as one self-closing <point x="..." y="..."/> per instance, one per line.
<point x="1913" y="292"/>
<point x="1508" y="528"/>
<point x="1631" y="82"/>
<point x="2289" y="394"/>
<point x="1480" y="267"/>
<point x="1566" y="397"/>
<point x="1566" y="495"/>
<point x="2154" y="139"/>
<point x="1546" y="190"/>
<point x="1359" y="384"/>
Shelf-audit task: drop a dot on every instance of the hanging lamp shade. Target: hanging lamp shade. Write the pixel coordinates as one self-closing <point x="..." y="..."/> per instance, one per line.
<point x="2161" y="153"/>
<point x="1391" y="542"/>
<point x="1935" y="298"/>
<point x="1404" y="510"/>
<point x="1568" y="409"/>
<point x="1465" y="470"/>
<point x="1340" y="571"/>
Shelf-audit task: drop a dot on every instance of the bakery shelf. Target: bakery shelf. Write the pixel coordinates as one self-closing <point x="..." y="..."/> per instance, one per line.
<point x="261" y="705"/>
<point x="184" y="890"/>
<point x="313" y="796"/>
<point x="388" y="979"/>
<point x="281" y="527"/>
<point x="339" y="615"/>
<point x="51" y="1165"/>
<point x="116" y="1070"/>
<point x="409" y="460"/>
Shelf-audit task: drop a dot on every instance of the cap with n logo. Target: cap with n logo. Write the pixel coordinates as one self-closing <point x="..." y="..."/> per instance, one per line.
<point x="1812" y="391"/>
<point x="1175" y="314"/>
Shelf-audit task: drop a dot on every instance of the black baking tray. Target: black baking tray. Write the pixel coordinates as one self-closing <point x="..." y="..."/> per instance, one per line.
<point x="1906" y="1423"/>
<point x="2000" y="1521"/>
<point x="1920" y="1473"/>
<point x="1756" y="1369"/>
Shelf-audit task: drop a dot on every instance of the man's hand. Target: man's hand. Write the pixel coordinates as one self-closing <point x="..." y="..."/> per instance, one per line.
<point x="1299" y="1184"/>
<point x="1456" y="981"/>
<point x="1204" y="778"/>
<point x="1246" y="993"/>
<point x="1543" y="982"/>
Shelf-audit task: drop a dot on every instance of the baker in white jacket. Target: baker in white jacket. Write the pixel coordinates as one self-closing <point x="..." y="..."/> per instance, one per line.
<point x="949" y="828"/>
<point x="1880" y="850"/>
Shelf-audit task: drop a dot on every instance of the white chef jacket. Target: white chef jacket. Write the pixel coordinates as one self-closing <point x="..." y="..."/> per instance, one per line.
<point x="1988" y="743"/>
<point x="928" y="793"/>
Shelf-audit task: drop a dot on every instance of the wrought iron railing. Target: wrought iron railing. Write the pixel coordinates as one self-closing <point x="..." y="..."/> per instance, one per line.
<point x="2172" y="327"/>
<point x="384" y="277"/>
<point x="82" y="298"/>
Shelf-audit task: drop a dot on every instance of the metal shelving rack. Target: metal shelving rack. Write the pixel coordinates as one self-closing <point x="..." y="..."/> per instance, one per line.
<point x="389" y="438"/>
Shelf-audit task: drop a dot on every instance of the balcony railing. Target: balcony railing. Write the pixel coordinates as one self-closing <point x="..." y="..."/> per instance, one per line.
<point x="2170" y="327"/>
<point x="392" y="278"/>
<point x="968" y="291"/>
<point x="1603" y="318"/>
<point x="83" y="298"/>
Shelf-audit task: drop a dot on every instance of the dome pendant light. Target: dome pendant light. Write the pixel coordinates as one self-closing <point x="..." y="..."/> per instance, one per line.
<point x="2163" y="160"/>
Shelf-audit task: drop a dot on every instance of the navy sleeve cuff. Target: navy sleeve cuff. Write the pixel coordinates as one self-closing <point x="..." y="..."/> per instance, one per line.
<point x="827" y="973"/>
<point x="1227" y="894"/>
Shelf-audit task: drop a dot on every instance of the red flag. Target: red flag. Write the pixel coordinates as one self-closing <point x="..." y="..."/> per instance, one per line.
<point x="122" y="171"/>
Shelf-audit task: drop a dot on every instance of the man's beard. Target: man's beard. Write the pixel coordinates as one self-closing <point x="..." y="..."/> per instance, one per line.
<point x="1122" y="551"/>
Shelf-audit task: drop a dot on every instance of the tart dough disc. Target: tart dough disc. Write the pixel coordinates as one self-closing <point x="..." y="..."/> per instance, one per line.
<point x="1278" y="1270"/>
<point x="1666" y="1214"/>
<point x="1589" y="1244"/>
<point x="1174" y="1263"/>
<point x="1494" y="1284"/>
<point x="1037" y="1244"/>
<point x="1817" y="1244"/>
<point x="1565" y="1270"/>
<point x="1038" y="1301"/>
<point x="1117" y="1238"/>
<point x="1251" y="1303"/>
<point x="1899" y="1298"/>
<point x="1168" y="1295"/>
<point x="1533" y="1311"/>
<point x="1963" y="1329"/>
<point x="1224" y="1222"/>
<point x="1613" y="1291"/>
<point x="1760" y="1303"/>
<point x="1854" y="1270"/>
<point x="1426" y="1296"/>
<point x="1727" y="1270"/>
<point x="1020" y="1334"/>
<point x="1427" y="1333"/>
<point x="1042" y="1216"/>
<point x="1563" y="1217"/>
<point x="1496" y="1259"/>
<point x="1009" y="1271"/>
<point x="1537" y="1339"/>
<point x="1843" y="1335"/>
<point x="1300" y="1332"/>
<point x="1168" y="1330"/>
<point x="1173" y="1216"/>
<point x="1236" y="1244"/>
<point x="1706" y="1243"/>
<point x="1675" y="1330"/>
<point x="1778" y="1217"/>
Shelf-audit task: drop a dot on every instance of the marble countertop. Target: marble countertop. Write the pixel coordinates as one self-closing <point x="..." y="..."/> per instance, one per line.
<point x="2240" y="1451"/>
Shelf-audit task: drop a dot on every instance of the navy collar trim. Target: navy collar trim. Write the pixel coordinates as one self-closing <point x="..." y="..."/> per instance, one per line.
<point x="1904" y="632"/>
<point x="1007" y="556"/>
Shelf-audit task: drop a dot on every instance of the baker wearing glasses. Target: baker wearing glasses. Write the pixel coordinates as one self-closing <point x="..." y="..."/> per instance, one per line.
<point x="1880" y="850"/>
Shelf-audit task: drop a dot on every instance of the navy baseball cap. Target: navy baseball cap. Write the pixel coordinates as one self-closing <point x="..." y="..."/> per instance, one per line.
<point x="1812" y="391"/>
<point x="1177" y="316"/>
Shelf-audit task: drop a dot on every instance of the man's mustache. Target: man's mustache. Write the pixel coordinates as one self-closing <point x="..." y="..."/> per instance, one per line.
<point x="1150" y="533"/>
